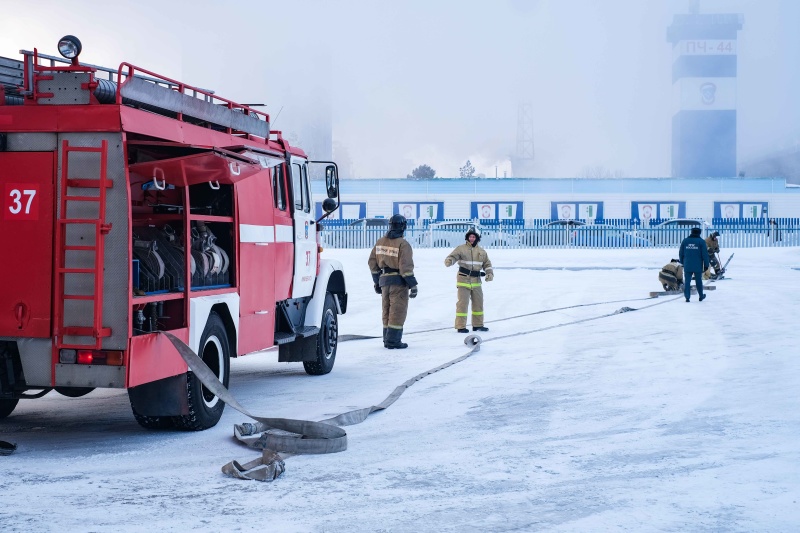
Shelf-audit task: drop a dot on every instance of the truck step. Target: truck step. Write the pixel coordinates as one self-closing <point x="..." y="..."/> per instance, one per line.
<point x="307" y="331"/>
<point x="301" y="333"/>
<point x="284" y="338"/>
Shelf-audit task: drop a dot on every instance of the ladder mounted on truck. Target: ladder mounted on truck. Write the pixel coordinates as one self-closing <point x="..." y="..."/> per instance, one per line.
<point x="70" y="264"/>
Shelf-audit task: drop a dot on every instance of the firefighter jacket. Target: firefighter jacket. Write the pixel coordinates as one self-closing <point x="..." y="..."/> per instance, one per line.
<point x="671" y="276"/>
<point x="694" y="254"/>
<point x="713" y="245"/>
<point x="471" y="260"/>
<point x="675" y="269"/>
<point x="391" y="262"/>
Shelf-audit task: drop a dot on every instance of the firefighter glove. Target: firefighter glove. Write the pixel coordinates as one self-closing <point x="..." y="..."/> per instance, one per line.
<point x="377" y="289"/>
<point x="413" y="293"/>
<point x="489" y="276"/>
<point x="448" y="262"/>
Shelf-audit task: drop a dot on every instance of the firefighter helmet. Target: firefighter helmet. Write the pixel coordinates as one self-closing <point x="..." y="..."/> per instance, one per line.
<point x="473" y="231"/>
<point x="398" y="223"/>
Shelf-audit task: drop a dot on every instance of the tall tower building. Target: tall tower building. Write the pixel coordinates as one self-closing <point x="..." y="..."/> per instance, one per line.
<point x="522" y="160"/>
<point x="704" y="93"/>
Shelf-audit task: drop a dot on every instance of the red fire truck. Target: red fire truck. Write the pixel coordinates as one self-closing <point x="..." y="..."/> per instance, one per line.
<point x="134" y="204"/>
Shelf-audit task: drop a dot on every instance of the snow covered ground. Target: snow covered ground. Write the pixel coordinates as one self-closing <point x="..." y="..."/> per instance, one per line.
<point x="674" y="417"/>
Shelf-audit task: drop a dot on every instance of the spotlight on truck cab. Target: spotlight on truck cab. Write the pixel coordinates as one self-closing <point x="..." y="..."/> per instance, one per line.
<point x="70" y="47"/>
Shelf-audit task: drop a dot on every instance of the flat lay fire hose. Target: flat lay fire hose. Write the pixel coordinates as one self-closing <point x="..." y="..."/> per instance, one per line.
<point x="284" y="437"/>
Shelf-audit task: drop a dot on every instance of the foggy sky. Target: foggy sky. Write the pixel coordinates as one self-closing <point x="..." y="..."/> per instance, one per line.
<point x="413" y="82"/>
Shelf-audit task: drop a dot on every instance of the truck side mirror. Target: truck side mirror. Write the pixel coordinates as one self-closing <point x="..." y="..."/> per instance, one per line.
<point x="328" y="205"/>
<point x="331" y="182"/>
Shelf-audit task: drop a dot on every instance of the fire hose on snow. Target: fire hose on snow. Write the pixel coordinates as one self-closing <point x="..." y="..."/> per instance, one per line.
<point x="281" y="438"/>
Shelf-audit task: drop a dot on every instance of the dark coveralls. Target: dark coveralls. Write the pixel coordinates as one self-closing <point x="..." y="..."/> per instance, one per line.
<point x="391" y="263"/>
<point x="694" y="256"/>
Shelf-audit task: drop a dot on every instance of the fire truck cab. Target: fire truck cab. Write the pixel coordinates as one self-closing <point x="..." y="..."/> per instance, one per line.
<point x="134" y="204"/>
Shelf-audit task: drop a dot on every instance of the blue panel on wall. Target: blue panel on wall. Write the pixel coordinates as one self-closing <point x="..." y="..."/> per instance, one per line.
<point x="576" y="209"/>
<point x="497" y="210"/>
<point x="419" y="210"/>
<point x="741" y="210"/>
<point x="347" y="210"/>
<point x="661" y="210"/>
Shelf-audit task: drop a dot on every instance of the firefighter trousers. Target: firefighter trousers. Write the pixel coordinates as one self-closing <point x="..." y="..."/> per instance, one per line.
<point x="395" y="305"/>
<point x="469" y="288"/>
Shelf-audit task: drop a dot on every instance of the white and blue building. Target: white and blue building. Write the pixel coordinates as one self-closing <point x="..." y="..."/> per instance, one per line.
<point x="641" y="200"/>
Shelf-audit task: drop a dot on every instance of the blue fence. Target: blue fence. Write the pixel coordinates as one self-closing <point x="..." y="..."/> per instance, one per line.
<point x="546" y="233"/>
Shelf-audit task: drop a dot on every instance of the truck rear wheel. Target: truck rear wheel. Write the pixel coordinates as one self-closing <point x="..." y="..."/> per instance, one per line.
<point x="327" y="341"/>
<point x="7" y="406"/>
<point x="205" y="407"/>
<point x="152" y="422"/>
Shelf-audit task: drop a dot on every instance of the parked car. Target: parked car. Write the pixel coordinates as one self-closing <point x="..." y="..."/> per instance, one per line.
<point x="605" y="236"/>
<point x="554" y="233"/>
<point x="357" y="234"/>
<point x="446" y="234"/>
<point x="370" y="223"/>
<point x="451" y="234"/>
<point x="673" y="231"/>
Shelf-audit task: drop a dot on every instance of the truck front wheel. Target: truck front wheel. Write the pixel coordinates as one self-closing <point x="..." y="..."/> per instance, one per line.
<point x="205" y="407"/>
<point x="327" y="341"/>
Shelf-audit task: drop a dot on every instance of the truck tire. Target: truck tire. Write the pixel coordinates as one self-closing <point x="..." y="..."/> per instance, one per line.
<point x="7" y="406"/>
<point x="153" y="422"/>
<point x="205" y="408"/>
<point x="327" y="341"/>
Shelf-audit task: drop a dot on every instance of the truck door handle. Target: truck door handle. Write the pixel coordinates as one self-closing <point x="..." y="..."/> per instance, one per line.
<point x="21" y="314"/>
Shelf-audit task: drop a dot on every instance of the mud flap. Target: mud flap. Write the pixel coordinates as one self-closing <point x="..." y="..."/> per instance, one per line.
<point x="165" y="397"/>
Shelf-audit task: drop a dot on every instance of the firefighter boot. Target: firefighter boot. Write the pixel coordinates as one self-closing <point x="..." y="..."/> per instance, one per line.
<point x="393" y="338"/>
<point x="480" y="328"/>
<point x="384" y="336"/>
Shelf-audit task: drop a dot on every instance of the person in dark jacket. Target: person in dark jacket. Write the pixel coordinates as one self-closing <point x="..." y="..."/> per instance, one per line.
<point x="391" y="263"/>
<point x="694" y="257"/>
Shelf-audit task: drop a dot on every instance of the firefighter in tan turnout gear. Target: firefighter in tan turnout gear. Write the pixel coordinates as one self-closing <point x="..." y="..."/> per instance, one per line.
<point x="473" y="262"/>
<point x="712" y="243"/>
<point x="392" y="265"/>
<point x="671" y="276"/>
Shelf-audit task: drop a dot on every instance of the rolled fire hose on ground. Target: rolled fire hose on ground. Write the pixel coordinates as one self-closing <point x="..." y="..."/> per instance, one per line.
<point x="284" y="437"/>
